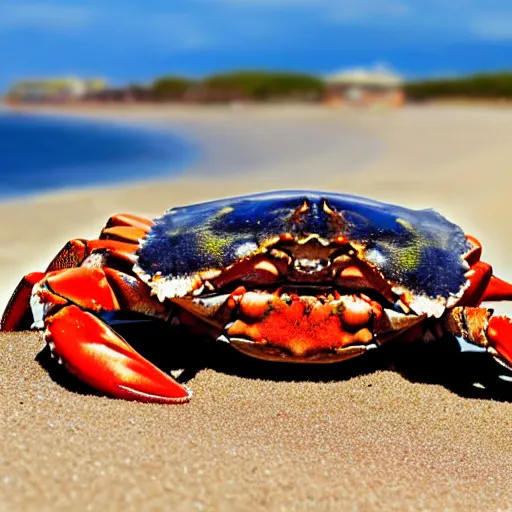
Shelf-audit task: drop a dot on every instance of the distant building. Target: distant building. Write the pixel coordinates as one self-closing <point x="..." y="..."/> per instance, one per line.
<point x="54" y="89"/>
<point x="365" y="87"/>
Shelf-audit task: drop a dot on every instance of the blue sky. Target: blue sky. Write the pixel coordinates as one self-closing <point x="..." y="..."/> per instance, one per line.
<point x="135" y="40"/>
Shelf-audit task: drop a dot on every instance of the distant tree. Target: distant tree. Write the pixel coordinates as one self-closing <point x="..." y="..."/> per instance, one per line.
<point x="485" y="86"/>
<point x="262" y="85"/>
<point x="170" y="88"/>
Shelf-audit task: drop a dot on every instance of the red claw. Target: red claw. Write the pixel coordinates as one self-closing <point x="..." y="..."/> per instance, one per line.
<point x="85" y="286"/>
<point x="101" y="358"/>
<point x="499" y="335"/>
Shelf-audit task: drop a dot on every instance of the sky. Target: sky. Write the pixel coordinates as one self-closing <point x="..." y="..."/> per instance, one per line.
<point x="134" y="41"/>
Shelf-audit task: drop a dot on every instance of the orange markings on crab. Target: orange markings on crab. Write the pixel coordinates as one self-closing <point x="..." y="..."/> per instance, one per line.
<point x="351" y="271"/>
<point x="87" y="287"/>
<point x="16" y="312"/>
<point x="240" y="290"/>
<point x="123" y="234"/>
<point x="499" y="334"/>
<point x="357" y="313"/>
<point x="302" y="326"/>
<point x="105" y="361"/>
<point x="71" y="255"/>
<point x="287" y="237"/>
<point x="340" y="240"/>
<point x="130" y="220"/>
<point x="304" y="208"/>
<point x="235" y="296"/>
<point x="256" y="305"/>
<point x="267" y="266"/>
<point x="258" y="270"/>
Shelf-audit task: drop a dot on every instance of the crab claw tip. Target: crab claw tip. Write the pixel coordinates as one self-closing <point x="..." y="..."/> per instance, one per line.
<point x="105" y="361"/>
<point x="499" y="335"/>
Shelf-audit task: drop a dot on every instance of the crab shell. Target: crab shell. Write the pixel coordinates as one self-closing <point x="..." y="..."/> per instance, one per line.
<point x="418" y="253"/>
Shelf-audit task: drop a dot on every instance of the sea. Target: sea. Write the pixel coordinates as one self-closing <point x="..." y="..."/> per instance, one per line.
<point x="46" y="153"/>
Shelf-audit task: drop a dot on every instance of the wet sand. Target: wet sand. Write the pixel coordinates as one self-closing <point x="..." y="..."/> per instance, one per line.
<point x="355" y="436"/>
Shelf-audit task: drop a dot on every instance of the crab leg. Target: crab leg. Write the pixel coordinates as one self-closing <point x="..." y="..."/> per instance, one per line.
<point x="475" y="253"/>
<point x="495" y="289"/>
<point x="130" y="220"/>
<point x="16" y="316"/>
<point x="478" y="276"/>
<point x="478" y="326"/>
<point x="119" y="245"/>
<point x="17" y="312"/>
<point x="499" y="334"/>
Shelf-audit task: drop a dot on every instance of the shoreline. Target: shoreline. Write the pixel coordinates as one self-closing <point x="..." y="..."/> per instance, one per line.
<point x="120" y="147"/>
<point x="225" y="155"/>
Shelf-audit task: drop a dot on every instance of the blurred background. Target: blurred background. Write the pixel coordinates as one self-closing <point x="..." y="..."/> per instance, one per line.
<point x="194" y="51"/>
<point x="142" y="105"/>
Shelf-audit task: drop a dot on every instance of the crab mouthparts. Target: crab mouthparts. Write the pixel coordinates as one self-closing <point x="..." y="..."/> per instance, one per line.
<point x="303" y="328"/>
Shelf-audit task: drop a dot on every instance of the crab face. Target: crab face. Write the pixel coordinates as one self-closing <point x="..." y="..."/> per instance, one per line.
<point x="303" y="276"/>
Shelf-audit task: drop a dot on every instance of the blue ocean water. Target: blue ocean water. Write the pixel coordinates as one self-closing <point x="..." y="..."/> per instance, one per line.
<point x="41" y="153"/>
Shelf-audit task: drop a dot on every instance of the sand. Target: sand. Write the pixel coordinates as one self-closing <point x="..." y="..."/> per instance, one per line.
<point x="356" y="436"/>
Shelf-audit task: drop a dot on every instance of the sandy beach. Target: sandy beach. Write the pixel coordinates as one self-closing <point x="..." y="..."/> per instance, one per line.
<point x="353" y="437"/>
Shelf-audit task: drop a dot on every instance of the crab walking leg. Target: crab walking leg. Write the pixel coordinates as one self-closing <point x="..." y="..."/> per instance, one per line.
<point x="101" y="358"/>
<point x="16" y="316"/>
<point x="129" y="220"/>
<point x="479" y="327"/>
<point x="498" y="289"/>
<point x="475" y="253"/>
<point x="479" y="275"/>
<point x="123" y="234"/>
<point x="17" y="312"/>
<point x="499" y="334"/>
<point x="495" y="288"/>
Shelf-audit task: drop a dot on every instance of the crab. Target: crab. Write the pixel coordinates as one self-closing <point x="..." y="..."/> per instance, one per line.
<point x="291" y="276"/>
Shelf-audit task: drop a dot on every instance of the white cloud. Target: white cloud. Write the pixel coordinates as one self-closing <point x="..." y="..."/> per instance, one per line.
<point x="497" y="27"/>
<point x="45" y="16"/>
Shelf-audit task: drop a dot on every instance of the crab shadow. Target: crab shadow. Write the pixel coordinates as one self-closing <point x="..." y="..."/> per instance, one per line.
<point x="469" y="375"/>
